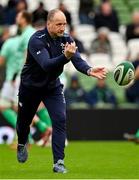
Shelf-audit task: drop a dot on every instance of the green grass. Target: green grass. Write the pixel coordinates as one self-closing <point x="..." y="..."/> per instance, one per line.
<point x="95" y="160"/>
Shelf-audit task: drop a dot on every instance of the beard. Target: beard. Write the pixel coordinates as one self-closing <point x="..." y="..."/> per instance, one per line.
<point x="60" y="34"/>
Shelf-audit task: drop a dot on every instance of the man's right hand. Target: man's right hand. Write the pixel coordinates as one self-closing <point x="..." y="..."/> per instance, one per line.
<point x="137" y="73"/>
<point x="70" y="50"/>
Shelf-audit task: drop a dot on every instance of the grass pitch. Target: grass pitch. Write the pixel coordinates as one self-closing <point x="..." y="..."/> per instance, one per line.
<point x="96" y="160"/>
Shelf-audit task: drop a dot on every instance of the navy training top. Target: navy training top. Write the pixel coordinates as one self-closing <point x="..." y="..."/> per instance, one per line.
<point x="45" y="60"/>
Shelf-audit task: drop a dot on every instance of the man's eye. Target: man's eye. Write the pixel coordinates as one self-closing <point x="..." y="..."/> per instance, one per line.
<point x="61" y="24"/>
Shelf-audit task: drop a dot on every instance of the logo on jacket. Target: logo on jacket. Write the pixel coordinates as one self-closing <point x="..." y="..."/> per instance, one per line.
<point x="20" y="104"/>
<point x="41" y="36"/>
<point x="63" y="47"/>
<point x="38" y="52"/>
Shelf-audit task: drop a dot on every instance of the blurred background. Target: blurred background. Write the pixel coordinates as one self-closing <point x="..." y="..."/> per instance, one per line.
<point x="106" y="33"/>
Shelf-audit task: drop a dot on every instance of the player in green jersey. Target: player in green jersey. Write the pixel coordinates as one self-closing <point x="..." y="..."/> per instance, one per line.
<point x="13" y="54"/>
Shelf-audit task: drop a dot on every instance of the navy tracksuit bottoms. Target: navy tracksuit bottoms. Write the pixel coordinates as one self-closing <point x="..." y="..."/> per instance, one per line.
<point x="54" y="101"/>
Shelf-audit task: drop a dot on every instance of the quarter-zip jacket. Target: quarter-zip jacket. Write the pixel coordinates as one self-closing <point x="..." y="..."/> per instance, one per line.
<point x="45" y="60"/>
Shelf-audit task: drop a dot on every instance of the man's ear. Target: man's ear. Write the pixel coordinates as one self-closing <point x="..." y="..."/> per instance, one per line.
<point x="48" y="23"/>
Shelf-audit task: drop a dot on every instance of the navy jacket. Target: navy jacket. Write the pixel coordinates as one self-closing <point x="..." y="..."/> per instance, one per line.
<point x="45" y="60"/>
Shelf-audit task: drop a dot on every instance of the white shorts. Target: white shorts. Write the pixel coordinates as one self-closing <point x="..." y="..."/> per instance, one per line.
<point x="9" y="93"/>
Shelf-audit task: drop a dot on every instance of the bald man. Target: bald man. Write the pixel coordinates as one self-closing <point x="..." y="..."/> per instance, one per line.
<point x="48" y="51"/>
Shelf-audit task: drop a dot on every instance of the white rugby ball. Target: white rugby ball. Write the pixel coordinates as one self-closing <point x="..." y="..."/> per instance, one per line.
<point x="124" y="73"/>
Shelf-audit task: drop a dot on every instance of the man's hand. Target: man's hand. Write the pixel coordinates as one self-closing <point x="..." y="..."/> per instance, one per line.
<point x="2" y="60"/>
<point x="99" y="73"/>
<point x="136" y="30"/>
<point x="137" y="73"/>
<point x="70" y="50"/>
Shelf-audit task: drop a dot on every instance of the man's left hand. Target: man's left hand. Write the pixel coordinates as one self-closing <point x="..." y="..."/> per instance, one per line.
<point x="99" y="73"/>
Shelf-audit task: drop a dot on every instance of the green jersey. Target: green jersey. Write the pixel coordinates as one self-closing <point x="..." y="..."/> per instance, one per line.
<point x="13" y="50"/>
<point x="8" y="51"/>
<point x="23" y="43"/>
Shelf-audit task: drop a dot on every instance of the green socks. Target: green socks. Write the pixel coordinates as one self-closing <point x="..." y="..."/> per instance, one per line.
<point x="41" y="126"/>
<point x="44" y="116"/>
<point x="10" y="116"/>
<point x="137" y="134"/>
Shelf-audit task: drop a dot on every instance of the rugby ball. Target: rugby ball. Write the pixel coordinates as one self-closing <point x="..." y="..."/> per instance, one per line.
<point x="124" y="73"/>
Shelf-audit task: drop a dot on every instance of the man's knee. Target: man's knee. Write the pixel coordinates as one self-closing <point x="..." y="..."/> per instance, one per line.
<point x="5" y="104"/>
<point x="59" y="121"/>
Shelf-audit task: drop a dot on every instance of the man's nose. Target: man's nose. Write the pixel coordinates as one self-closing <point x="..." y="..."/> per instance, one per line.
<point x="63" y="27"/>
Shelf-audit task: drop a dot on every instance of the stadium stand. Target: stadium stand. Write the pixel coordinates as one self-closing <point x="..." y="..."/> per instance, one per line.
<point x="133" y="48"/>
<point x="118" y="47"/>
<point x="86" y="33"/>
<point x="101" y="60"/>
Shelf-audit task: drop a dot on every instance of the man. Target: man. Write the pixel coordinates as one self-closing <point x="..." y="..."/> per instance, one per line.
<point x="7" y="97"/>
<point x="67" y="13"/>
<point x="13" y="55"/>
<point x="14" y="59"/>
<point x="24" y="20"/>
<point x="132" y="30"/>
<point x="79" y="43"/>
<point x="48" y="51"/>
<point x="101" y="95"/>
<point x="107" y="17"/>
<point x="101" y="44"/>
<point x="86" y="11"/>
<point x="40" y="14"/>
<point x="75" y="92"/>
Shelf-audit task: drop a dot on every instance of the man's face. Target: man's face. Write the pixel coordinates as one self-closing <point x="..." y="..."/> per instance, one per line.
<point x="57" y="25"/>
<point x="135" y="18"/>
<point x="19" y="19"/>
<point x="74" y="84"/>
<point x="106" y="9"/>
<point x="101" y="83"/>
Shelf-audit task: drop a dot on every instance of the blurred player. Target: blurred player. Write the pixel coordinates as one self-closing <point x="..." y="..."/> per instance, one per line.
<point x="24" y="20"/>
<point x="13" y="66"/>
<point x="13" y="55"/>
